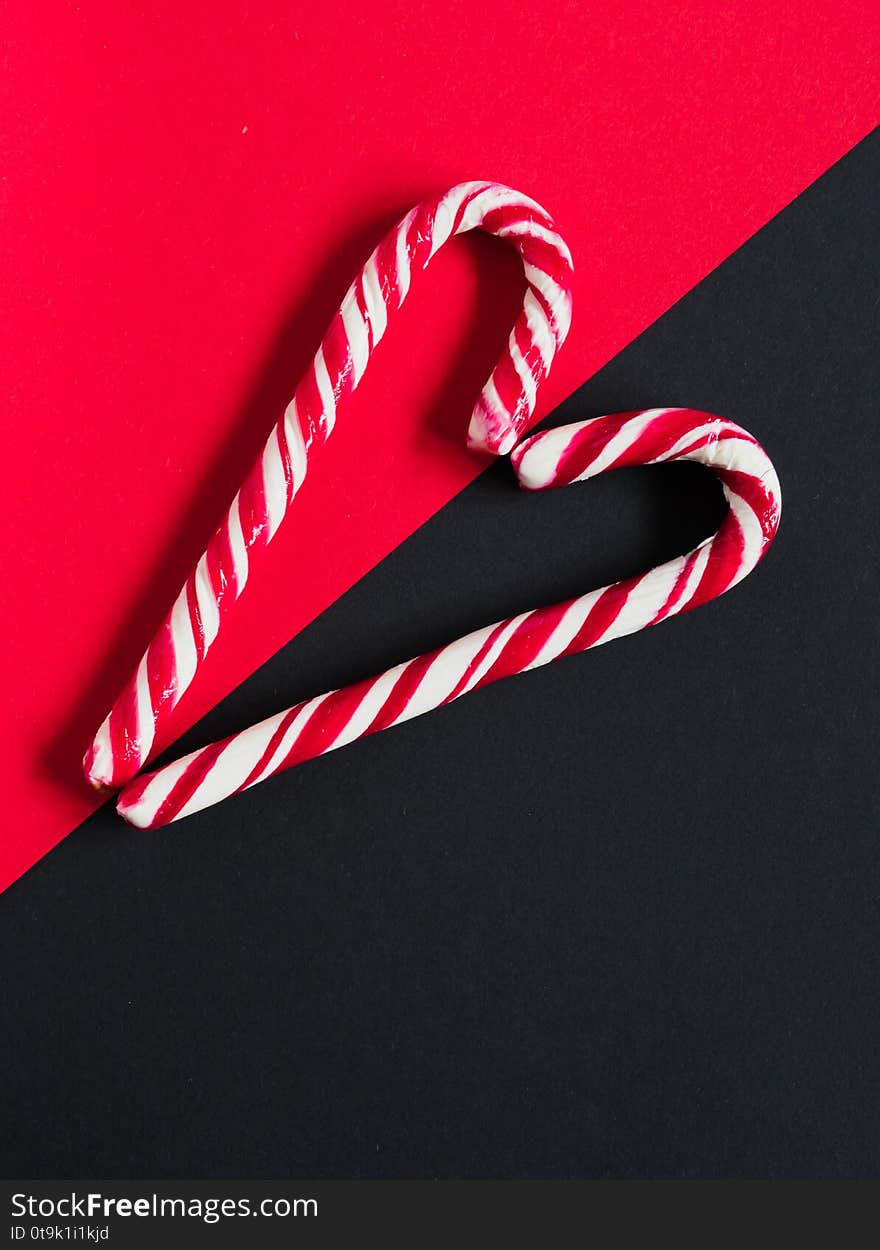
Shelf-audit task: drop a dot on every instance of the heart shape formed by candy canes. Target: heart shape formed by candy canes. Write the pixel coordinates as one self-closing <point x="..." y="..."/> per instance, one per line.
<point x="554" y="457"/>
<point x="125" y="739"/>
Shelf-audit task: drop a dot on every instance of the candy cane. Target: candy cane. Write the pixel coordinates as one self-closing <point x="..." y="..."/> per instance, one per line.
<point x="503" y="410"/>
<point x="553" y="458"/>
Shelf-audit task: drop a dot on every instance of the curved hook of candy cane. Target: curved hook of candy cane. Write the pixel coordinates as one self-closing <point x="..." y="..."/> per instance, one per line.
<point x="503" y="410"/>
<point x="552" y="458"/>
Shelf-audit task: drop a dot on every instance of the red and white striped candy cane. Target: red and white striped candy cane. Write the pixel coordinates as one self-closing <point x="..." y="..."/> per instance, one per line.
<point x="553" y="458"/>
<point x="125" y="739"/>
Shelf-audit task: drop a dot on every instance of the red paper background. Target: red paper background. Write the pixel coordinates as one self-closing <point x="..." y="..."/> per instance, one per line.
<point x="187" y="192"/>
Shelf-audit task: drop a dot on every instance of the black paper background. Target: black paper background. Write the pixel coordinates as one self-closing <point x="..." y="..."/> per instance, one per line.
<point x="619" y="917"/>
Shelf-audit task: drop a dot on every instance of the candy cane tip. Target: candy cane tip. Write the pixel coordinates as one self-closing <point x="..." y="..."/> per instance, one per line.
<point x="131" y="806"/>
<point x="484" y="441"/>
<point x="129" y="812"/>
<point x="530" y="466"/>
<point x="98" y="768"/>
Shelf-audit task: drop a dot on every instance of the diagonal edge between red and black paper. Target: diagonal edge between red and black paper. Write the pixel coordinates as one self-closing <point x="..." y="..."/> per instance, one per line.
<point x="614" y="918"/>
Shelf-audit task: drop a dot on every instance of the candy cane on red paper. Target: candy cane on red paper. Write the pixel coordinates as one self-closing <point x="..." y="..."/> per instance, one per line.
<point x="503" y="410"/>
<point x="554" y="457"/>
